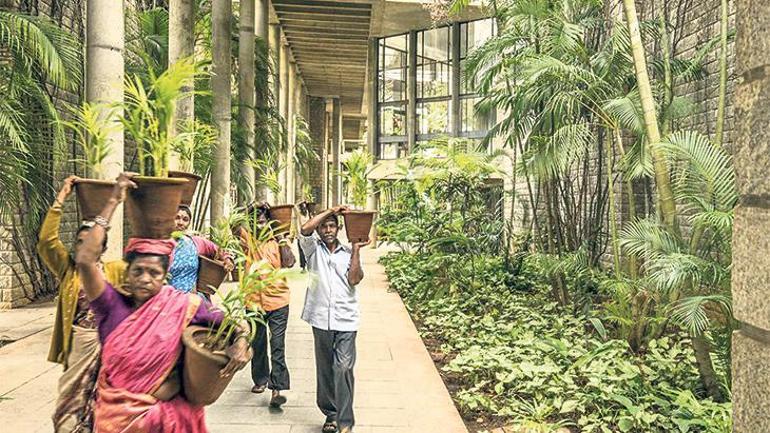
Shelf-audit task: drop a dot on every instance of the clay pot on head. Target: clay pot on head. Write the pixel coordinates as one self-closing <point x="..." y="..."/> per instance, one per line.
<point x="152" y="206"/>
<point x="189" y="192"/>
<point x="201" y="381"/>
<point x="358" y="224"/>
<point x="92" y="195"/>
<point x="281" y="215"/>
<point x="211" y="275"/>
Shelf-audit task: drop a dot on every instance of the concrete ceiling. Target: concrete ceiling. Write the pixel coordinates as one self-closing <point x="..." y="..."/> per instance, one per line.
<point x="329" y="42"/>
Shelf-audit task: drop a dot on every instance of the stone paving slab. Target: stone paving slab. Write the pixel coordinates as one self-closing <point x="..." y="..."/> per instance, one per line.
<point x="398" y="389"/>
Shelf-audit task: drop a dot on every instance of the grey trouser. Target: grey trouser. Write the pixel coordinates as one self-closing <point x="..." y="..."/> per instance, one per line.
<point x="335" y="356"/>
<point x="274" y="372"/>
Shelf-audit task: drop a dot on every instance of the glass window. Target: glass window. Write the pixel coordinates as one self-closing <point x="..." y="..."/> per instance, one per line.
<point x="434" y="63"/>
<point x="392" y="150"/>
<point x="470" y="118"/>
<point x="393" y="119"/>
<point x="433" y="117"/>
<point x="472" y="35"/>
<point x="392" y="70"/>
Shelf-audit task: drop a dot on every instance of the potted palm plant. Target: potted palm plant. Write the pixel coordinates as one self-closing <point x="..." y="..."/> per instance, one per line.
<point x="358" y="222"/>
<point x="211" y="273"/>
<point x="149" y="110"/>
<point x="187" y="146"/>
<point x="204" y="347"/>
<point x="92" y="125"/>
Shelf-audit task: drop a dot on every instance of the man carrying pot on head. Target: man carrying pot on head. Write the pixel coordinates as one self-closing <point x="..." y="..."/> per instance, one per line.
<point x="75" y="341"/>
<point x="270" y="372"/>
<point x="331" y="308"/>
<point x="183" y="274"/>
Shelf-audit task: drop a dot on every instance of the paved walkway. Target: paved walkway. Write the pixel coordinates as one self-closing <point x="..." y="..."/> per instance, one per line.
<point x="398" y="389"/>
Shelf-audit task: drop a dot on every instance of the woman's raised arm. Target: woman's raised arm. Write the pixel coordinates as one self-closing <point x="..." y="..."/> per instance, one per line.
<point x="91" y="249"/>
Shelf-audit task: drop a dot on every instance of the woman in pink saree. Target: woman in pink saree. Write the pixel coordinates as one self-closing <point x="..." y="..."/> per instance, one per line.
<point x="138" y="388"/>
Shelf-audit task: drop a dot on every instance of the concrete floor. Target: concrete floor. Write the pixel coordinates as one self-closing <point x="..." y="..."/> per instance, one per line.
<point x="398" y="389"/>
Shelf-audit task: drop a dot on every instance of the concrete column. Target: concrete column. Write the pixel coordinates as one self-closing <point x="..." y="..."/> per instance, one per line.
<point x="751" y="229"/>
<point x="221" y="14"/>
<point x="317" y="124"/>
<point x="454" y="106"/>
<point x="276" y="53"/>
<point x="292" y="102"/>
<point x="284" y="107"/>
<point x="247" y="96"/>
<point x="336" y="179"/>
<point x="372" y="116"/>
<point x="181" y="44"/>
<point x="263" y="33"/>
<point x="411" y="93"/>
<point x="105" y="38"/>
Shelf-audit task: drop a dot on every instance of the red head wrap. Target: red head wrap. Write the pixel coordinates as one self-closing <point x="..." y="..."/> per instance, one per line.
<point x="160" y="247"/>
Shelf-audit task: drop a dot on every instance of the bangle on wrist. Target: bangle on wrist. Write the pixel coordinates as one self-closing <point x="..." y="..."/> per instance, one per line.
<point x="102" y="221"/>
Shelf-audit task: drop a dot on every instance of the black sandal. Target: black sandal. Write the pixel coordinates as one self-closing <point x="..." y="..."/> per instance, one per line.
<point x="329" y="427"/>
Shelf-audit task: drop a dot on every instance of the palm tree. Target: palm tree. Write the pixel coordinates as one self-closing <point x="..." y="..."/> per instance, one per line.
<point x="39" y="53"/>
<point x="662" y="178"/>
<point x="694" y="274"/>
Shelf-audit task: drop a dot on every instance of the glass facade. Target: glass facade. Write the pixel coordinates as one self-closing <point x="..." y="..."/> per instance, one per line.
<point x="422" y="72"/>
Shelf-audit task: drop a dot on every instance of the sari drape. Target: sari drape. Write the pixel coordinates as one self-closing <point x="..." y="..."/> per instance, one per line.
<point x="136" y="358"/>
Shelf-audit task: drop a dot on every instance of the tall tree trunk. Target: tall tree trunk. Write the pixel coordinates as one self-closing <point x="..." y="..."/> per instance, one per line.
<point x="105" y="40"/>
<point x="246" y="95"/>
<point x="720" y="128"/>
<point x="221" y="13"/>
<point x="633" y="266"/>
<point x="613" y="213"/>
<point x="181" y="44"/>
<point x="668" y="79"/>
<point x="708" y="377"/>
<point x="666" y="204"/>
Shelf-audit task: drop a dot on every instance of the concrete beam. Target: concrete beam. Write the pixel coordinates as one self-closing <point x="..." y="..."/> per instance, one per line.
<point x="325" y="12"/>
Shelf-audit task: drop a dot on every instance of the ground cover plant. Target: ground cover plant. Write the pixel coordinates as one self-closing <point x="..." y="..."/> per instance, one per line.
<point x="519" y="358"/>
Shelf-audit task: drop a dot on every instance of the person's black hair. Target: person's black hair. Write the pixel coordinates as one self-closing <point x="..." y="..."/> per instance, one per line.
<point x="333" y="217"/>
<point x="186" y="209"/>
<point x="133" y="255"/>
<point x="85" y="227"/>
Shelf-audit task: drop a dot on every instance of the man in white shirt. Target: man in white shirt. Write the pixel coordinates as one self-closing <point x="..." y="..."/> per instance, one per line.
<point x="331" y="308"/>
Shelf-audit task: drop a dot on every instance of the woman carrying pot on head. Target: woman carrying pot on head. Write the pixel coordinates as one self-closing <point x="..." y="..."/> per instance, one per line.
<point x="141" y="334"/>
<point x="183" y="273"/>
<point x="75" y="342"/>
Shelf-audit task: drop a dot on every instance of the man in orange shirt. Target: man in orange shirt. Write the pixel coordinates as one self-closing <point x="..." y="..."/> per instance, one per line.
<point x="272" y="373"/>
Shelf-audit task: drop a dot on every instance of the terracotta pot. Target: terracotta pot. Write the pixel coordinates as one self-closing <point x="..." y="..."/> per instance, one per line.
<point x="358" y="224"/>
<point x="189" y="192"/>
<point x="201" y="381"/>
<point x="152" y="206"/>
<point x="211" y="275"/>
<point x="93" y="194"/>
<point x="281" y="215"/>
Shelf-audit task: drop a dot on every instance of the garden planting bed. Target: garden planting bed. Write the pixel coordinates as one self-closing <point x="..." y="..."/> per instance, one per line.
<point x="511" y="357"/>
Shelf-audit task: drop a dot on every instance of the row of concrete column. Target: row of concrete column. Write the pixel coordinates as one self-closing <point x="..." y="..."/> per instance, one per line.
<point x="105" y="38"/>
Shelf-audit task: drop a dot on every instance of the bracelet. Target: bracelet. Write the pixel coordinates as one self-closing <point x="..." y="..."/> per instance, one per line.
<point x="102" y="221"/>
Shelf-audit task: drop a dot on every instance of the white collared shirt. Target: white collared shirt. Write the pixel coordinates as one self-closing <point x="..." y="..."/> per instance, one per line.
<point x="331" y="302"/>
